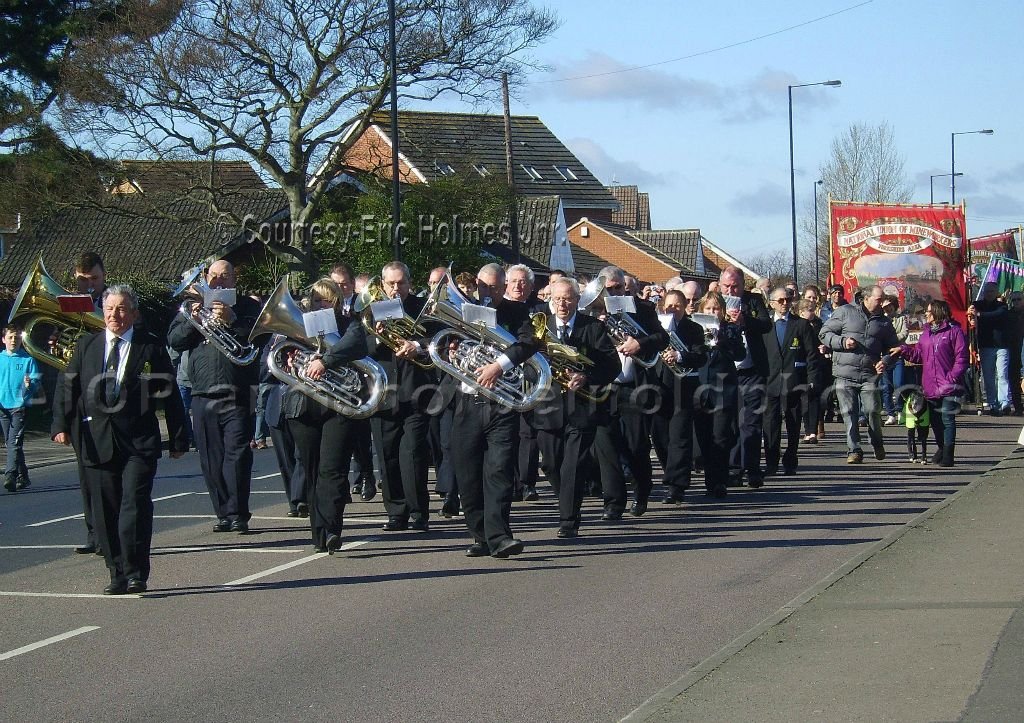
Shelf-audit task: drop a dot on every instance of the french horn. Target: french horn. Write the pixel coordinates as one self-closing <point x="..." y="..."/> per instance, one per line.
<point x="355" y="390"/>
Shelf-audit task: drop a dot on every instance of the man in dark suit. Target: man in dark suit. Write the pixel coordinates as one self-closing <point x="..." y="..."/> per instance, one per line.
<point x="519" y="285"/>
<point x="483" y="430"/>
<point x="752" y="318"/>
<point x="793" y="363"/>
<point x="566" y="422"/>
<point x="105" y="406"/>
<point x="400" y="430"/>
<point x="222" y="401"/>
<point x="626" y="436"/>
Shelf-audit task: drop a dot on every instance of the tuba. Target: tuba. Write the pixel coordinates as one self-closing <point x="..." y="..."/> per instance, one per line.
<point x="393" y="332"/>
<point x="563" y="359"/>
<point x="192" y="286"/>
<point x="620" y="327"/>
<point x="38" y="310"/>
<point x="520" y="388"/>
<point x="354" y="391"/>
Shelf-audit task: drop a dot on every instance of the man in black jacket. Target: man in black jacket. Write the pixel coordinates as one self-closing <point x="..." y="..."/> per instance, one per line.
<point x="626" y="436"/>
<point x="105" y="405"/>
<point x="566" y="422"/>
<point x="793" y="363"/>
<point x="751" y="316"/>
<point x="222" y="401"/>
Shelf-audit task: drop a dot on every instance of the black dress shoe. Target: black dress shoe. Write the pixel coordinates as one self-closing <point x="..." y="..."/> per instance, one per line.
<point x="717" y="491"/>
<point x="419" y="525"/>
<point x="239" y="526"/>
<point x="303" y="509"/>
<point x="755" y="481"/>
<point x="565" y="532"/>
<point x="293" y="513"/>
<point x="115" y="588"/>
<point x="509" y="546"/>
<point x="530" y="494"/>
<point x="675" y="497"/>
<point x="369" y="490"/>
<point x="135" y="586"/>
<point x="86" y="550"/>
<point x="333" y="544"/>
<point x="517" y="494"/>
<point x="612" y="516"/>
<point x="395" y="525"/>
<point x="638" y="508"/>
<point x="223" y="525"/>
<point x="477" y="549"/>
<point x="450" y="508"/>
<point x="357" y="488"/>
<point x="319" y="548"/>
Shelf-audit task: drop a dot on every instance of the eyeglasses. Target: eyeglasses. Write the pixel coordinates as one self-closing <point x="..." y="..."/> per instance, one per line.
<point x="781" y="300"/>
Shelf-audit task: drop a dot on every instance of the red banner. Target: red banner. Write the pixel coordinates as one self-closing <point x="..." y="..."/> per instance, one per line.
<point x="982" y="249"/>
<point x="914" y="252"/>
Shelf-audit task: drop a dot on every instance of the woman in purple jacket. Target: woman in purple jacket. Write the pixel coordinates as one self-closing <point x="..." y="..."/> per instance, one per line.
<point x="942" y="354"/>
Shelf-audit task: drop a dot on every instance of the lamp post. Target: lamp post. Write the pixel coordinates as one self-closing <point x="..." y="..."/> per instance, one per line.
<point x="952" y="157"/>
<point x="931" y="183"/>
<point x="792" y="169"/>
<point x="817" y="245"/>
<point x="396" y="182"/>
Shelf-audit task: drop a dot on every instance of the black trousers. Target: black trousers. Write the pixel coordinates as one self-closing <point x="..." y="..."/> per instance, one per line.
<point x="400" y="438"/>
<point x="122" y="507"/>
<point x="481" y="434"/>
<point x="679" y="449"/>
<point x="564" y="452"/>
<point x="778" y="409"/>
<point x="324" y="447"/>
<point x="528" y="455"/>
<point x="292" y="475"/>
<point x="746" y="453"/>
<point x="443" y="467"/>
<point x="362" y="452"/>
<point x="715" y="429"/>
<point x="223" y="429"/>
<point x="625" y="437"/>
<point x="83" y="487"/>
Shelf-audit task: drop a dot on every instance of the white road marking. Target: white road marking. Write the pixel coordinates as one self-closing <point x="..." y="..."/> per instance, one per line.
<point x="49" y="641"/>
<point x="296" y="563"/>
<point x="268" y="476"/>
<point x="79" y="516"/>
<point x="208" y="548"/>
<point x="38" y="547"/>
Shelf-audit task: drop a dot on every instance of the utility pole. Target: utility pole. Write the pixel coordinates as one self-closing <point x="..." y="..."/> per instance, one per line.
<point x="513" y="206"/>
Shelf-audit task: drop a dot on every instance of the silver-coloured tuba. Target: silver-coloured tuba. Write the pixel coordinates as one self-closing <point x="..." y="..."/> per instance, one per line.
<point x="354" y="391"/>
<point x="620" y="327"/>
<point x="520" y="388"/>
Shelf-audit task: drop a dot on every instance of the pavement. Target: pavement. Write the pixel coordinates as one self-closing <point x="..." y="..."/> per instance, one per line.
<point x="41" y="451"/>
<point x="925" y="625"/>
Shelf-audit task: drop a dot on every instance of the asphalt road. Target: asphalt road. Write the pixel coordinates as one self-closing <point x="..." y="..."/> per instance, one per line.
<point x="402" y="625"/>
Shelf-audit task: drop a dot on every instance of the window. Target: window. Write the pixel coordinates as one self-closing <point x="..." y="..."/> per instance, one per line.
<point x="481" y="169"/>
<point x="532" y="172"/>
<point x="566" y="173"/>
<point x="444" y="169"/>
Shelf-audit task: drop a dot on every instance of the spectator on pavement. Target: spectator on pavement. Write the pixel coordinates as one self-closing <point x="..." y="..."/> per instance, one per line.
<point x="992" y="318"/>
<point x="19" y="378"/>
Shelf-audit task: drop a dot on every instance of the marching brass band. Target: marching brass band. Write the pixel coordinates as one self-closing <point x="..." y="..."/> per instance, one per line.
<point x="590" y="376"/>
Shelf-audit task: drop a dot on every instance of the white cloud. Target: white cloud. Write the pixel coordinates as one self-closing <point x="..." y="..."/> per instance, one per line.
<point x="768" y="199"/>
<point x="612" y="170"/>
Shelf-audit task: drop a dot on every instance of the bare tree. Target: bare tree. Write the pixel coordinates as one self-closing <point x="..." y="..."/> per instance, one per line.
<point x="864" y="166"/>
<point x="287" y="84"/>
<point x="777" y="266"/>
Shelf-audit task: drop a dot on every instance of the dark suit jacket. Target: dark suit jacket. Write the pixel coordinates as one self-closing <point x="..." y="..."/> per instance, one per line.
<point x="131" y="427"/>
<point x="561" y="407"/>
<point x="799" y="346"/>
<point x="757" y="321"/>
<point x="692" y="335"/>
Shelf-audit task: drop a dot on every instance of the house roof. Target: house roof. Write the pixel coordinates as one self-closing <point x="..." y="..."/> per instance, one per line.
<point x="683" y="245"/>
<point x="633" y="238"/>
<point x="160" y="176"/>
<point x="586" y="262"/>
<point x="720" y="258"/>
<point x="435" y="142"/>
<point x="135" y="235"/>
<point x="634" y="207"/>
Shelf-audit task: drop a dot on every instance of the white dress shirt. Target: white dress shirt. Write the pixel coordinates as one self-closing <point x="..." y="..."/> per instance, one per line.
<point x="122" y="350"/>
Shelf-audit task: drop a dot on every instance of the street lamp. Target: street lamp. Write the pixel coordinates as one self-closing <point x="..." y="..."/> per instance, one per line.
<point x="817" y="245"/>
<point x="952" y="157"/>
<point x="792" y="170"/>
<point x="931" y="183"/>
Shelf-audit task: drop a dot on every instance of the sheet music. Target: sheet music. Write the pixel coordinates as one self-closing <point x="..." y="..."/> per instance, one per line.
<point x="387" y="310"/>
<point x="320" y="323"/>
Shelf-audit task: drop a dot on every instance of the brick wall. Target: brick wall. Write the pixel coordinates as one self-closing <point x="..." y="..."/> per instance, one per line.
<point x="621" y="253"/>
<point x="372" y="153"/>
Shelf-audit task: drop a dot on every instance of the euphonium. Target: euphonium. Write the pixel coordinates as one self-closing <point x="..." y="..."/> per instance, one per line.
<point x="620" y="327"/>
<point x="354" y="391"/>
<point x="675" y="344"/>
<point x="38" y="311"/>
<point x="520" y="388"/>
<point x="563" y="359"/>
<point x="393" y="332"/>
<point x="192" y="285"/>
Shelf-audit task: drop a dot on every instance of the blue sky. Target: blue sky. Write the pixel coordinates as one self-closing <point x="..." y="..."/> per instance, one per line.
<point x="707" y="136"/>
